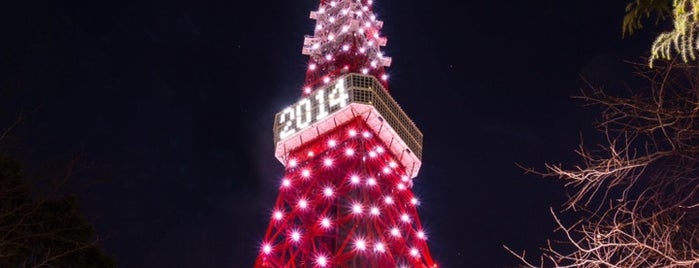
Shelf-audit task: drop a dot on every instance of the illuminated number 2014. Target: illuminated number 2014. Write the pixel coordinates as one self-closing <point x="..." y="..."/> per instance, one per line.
<point x="302" y="114"/>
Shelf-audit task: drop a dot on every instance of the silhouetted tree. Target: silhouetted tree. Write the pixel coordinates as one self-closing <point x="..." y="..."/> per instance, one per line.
<point x="43" y="229"/>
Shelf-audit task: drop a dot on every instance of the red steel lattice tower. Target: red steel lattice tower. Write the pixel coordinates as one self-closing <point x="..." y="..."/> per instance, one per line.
<point x="350" y="154"/>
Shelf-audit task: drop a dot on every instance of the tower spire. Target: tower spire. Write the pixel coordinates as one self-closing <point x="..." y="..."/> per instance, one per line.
<point x="350" y="154"/>
<point x="346" y="39"/>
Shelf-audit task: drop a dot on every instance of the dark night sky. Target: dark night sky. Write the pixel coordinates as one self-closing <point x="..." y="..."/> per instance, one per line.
<point x="171" y="103"/>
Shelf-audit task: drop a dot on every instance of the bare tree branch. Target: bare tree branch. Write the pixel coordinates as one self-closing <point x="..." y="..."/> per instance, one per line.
<point x="639" y="192"/>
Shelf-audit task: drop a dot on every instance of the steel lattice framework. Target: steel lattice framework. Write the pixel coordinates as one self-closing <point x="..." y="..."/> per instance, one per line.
<point x="351" y="154"/>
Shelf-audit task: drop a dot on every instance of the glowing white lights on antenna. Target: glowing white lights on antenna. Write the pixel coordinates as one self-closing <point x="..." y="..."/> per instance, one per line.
<point x="278" y="215"/>
<point x="306" y="173"/>
<point x="332" y="143"/>
<point x="267" y="249"/>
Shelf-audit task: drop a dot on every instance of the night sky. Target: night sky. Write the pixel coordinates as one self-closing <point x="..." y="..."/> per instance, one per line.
<point x="170" y="106"/>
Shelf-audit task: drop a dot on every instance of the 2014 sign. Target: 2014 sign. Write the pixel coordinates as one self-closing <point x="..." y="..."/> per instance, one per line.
<point x="302" y="114"/>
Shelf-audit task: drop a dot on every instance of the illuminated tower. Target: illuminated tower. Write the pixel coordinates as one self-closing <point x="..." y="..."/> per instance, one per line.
<point x="350" y="154"/>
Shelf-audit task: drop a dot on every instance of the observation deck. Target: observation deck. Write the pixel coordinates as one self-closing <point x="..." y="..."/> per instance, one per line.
<point x="344" y="99"/>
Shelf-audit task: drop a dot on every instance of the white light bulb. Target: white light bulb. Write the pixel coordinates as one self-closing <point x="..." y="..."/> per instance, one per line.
<point x="371" y="182"/>
<point x="331" y="19"/>
<point x="345" y="28"/>
<point x="325" y="222"/>
<point x="307" y="90"/>
<point x="315" y="46"/>
<point x="388" y="200"/>
<point x="392" y="164"/>
<point x="365" y="71"/>
<point x="345" y="11"/>
<point x="414" y="252"/>
<point x="379" y="247"/>
<point x="332" y="143"/>
<point x="354" y="179"/>
<point x="386" y="170"/>
<point x="405" y="218"/>
<point x="361" y="30"/>
<point x="326" y="79"/>
<point x="295" y="236"/>
<point x="267" y="249"/>
<point x="384" y="77"/>
<point x="375" y="211"/>
<point x="328" y="57"/>
<point x="367" y="24"/>
<point x="376" y="35"/>
<point x="306" y="173"/>
<point x="345" y="47"/>
<point x="374" y="64"/>
<point x="357" y="209"/>
<point x="372" y="154"/>
<point x="378" y="54"/>
<point x="322" y="261"/>
<point x="293" y="163"/>
<point x="413" y="201"/>
<point x="328" y="192"/>
<point x="370" y="43"/>
<point x="379" y="149"/>
<point x="404" y="178"/>
<point x="331" y="37"/>
<point x="360" y="244"/>
<point x="328" y="162"/>
<point x="352" y="133"/>
<point x="303" y="203"/>
<point x="365" y="8"/>
<point x="319" y="27"/>
<point x="362" y="50"/>
<point x="312" y="66"/>
<point x="310" y="154"/>
<point x="421" y="235"/>
<point x="333" y="4"/>
<point x="395" y="232"/>
<point x="349" y="152"/>
<point x="286" y="182"/>
<point x="401" y="186"/>
<point x="278" y="215"/>
<point x="373" y="17"/>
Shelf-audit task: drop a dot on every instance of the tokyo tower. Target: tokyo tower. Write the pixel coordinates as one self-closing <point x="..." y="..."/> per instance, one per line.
<point x="350" y="154"/>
